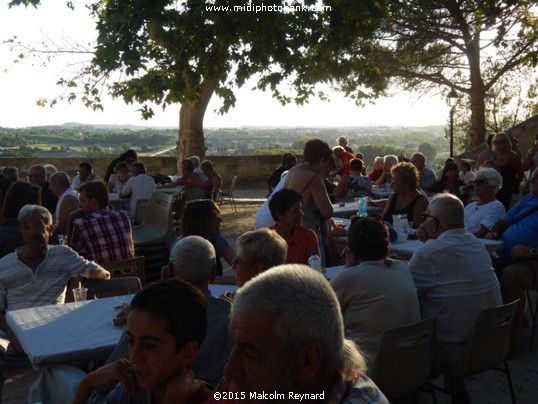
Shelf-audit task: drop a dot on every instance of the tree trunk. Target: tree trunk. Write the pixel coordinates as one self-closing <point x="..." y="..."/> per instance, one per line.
<point x="191" y="124"/>
<point x="477" y="94"/>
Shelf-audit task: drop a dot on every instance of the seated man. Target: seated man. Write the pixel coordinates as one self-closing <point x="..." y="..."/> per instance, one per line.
<point x="426" y="176"/>
<point x="85" y="174"/>
<point x="139" y="186"/>
<point x="375" y="292"/>
<point x="288" y="338"/>
<point x="38" y="176"/>
<point x="97" y="232"/>
<point x="67" y="200"/>
<point x="454" y="276"/>
<point x="354" y="183"/>
<point x="36" y="275"/>
<point x="192" y="260"/>
<point x="165" y="326"/>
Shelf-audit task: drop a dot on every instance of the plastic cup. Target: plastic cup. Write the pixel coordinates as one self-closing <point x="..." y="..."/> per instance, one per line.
<point x="79" y="295"/>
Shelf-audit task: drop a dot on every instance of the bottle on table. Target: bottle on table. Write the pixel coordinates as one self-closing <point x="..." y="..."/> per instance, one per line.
<point x="362" y="207"/>
<point x="314" y="261"/>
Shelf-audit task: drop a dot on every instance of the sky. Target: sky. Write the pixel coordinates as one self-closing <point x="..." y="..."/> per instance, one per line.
<point x="22" y="84"/>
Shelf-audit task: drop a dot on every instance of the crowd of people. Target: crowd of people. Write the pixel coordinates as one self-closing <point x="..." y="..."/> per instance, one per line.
<point x="286" y="329"/>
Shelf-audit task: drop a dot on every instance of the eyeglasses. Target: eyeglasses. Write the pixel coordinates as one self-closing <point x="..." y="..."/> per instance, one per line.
<point x="237" y="261"/>
<point x="479" y="182"/>
<point x="427" y="215"/>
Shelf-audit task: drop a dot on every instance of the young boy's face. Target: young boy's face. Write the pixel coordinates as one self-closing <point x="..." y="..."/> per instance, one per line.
<point x="152" y="351"/>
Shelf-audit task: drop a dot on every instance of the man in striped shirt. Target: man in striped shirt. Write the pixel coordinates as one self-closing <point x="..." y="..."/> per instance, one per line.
<point x="36" y="274"/>
<point x="98" y="233"/>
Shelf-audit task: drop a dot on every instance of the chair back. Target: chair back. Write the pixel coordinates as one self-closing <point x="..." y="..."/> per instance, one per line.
<point x="129" y="267"/>
<point x="157" y="226"/>
<point x="491" y="339"/>
<point x="112" y="287"/>
<point x="233" y="184"/>
<point x="405" y="359"/>
<point x="140" y="212"/>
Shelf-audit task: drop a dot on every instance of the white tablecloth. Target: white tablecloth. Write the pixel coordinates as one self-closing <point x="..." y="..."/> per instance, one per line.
<point x="66" y="333"/>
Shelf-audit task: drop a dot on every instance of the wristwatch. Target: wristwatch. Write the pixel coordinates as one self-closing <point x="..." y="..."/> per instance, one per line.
<point x="534" y="252"/>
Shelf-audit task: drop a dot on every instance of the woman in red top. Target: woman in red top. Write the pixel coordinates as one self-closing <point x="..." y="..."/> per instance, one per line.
<point x="285" y="207"/>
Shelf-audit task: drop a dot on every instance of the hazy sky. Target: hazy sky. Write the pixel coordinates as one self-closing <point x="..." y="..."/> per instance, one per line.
<point x="21" y="84"/>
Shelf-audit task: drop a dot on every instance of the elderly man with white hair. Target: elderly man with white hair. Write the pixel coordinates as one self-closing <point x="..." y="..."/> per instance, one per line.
<point x="454" y="277"/>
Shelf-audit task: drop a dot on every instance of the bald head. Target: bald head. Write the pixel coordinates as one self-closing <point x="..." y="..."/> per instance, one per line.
<point x="448" y="210"/>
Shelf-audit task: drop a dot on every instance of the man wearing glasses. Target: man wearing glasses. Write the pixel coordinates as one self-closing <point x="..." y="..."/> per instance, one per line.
<point x="454" y="277"/>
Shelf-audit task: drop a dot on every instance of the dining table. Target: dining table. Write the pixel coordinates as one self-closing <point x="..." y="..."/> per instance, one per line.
<point x="347" y="209"/>
<point x="69" y="333"/>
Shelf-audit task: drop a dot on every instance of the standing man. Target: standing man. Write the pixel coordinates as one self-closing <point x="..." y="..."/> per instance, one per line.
<point x="139" y="186"/>
<point x="427" y="177"/>
<point x="85" y="174"/>
<point x="37" y="175"/>
<point x="36" y="275"/>
<point x="342" y="141"/>
<point x="97" y="232"/>
<point x="454" y="277"/>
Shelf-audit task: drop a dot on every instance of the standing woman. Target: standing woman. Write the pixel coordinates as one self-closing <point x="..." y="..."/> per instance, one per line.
<point x="510" y="168"/>
<point x="306" y="179"/>
<point x="214" y="181"/>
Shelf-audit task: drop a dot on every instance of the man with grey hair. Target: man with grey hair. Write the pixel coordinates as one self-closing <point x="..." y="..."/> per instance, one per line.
<point x="139" y="186"/>
<point x="36" y="275"/>
<point x="454" y="276"/>
<point x="197" y="169"/>
<point x="342" y="141"/>
<point x="37" y="175"/>
<point x="427" y="177"/>
<point x="288" y="343"/>
<point x="193" y="259"/>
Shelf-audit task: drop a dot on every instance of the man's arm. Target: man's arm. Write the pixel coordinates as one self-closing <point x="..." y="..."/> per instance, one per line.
<point x="497" y="231"/>
<point x="7" y="329"/>
<point x="99" y="273"/>
<point x="127" y="189"/>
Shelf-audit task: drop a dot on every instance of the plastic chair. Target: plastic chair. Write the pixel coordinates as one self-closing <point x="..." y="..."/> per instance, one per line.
<point x="129" y="267"/>
<point x="228" y="196"/>
<point x="489" y="345"/>
<point x="157" y="226"/>
<point x="112" y="287"/>
<point x="141" y="206"/>
<point x="406" y="358"/>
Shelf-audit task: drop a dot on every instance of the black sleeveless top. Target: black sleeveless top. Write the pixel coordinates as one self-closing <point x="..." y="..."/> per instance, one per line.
<point x="408" y="210"/>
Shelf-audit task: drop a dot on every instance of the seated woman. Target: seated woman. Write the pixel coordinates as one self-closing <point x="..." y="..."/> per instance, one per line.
<point x="285" y="207"/>
<point x="118" y="180"/>
<point x="201" y="218"/>
<point x="450" y="183"/>
<point x="378" y="168"/>
<point x="375" y="293"/>
<point x="354" y="183"/>
<point x="482" y="215"/>
<point x="386" y="177"/>
<point x="406" y="198"/>
<point x="214" y="181"/>
<point x="189" y="180"/>
<point x="466" y="175"/>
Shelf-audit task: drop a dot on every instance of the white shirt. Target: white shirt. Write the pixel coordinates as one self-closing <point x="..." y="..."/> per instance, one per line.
<point x="455" y="281"/>
<point x="263" y="215"/>
<point x="77" y="182"/>
<point x="467" y="177"/>
<point x="486" y="215"/>
<point x="68" y="192"/>
<point x="140" y="186"/>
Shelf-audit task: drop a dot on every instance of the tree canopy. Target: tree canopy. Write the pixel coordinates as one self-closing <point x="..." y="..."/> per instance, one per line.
<point x="466" y="45"/>
<point x="168" y="52"/>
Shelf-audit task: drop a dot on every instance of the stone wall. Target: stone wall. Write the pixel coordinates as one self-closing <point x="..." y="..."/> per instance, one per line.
<point x="252" y="170"/>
